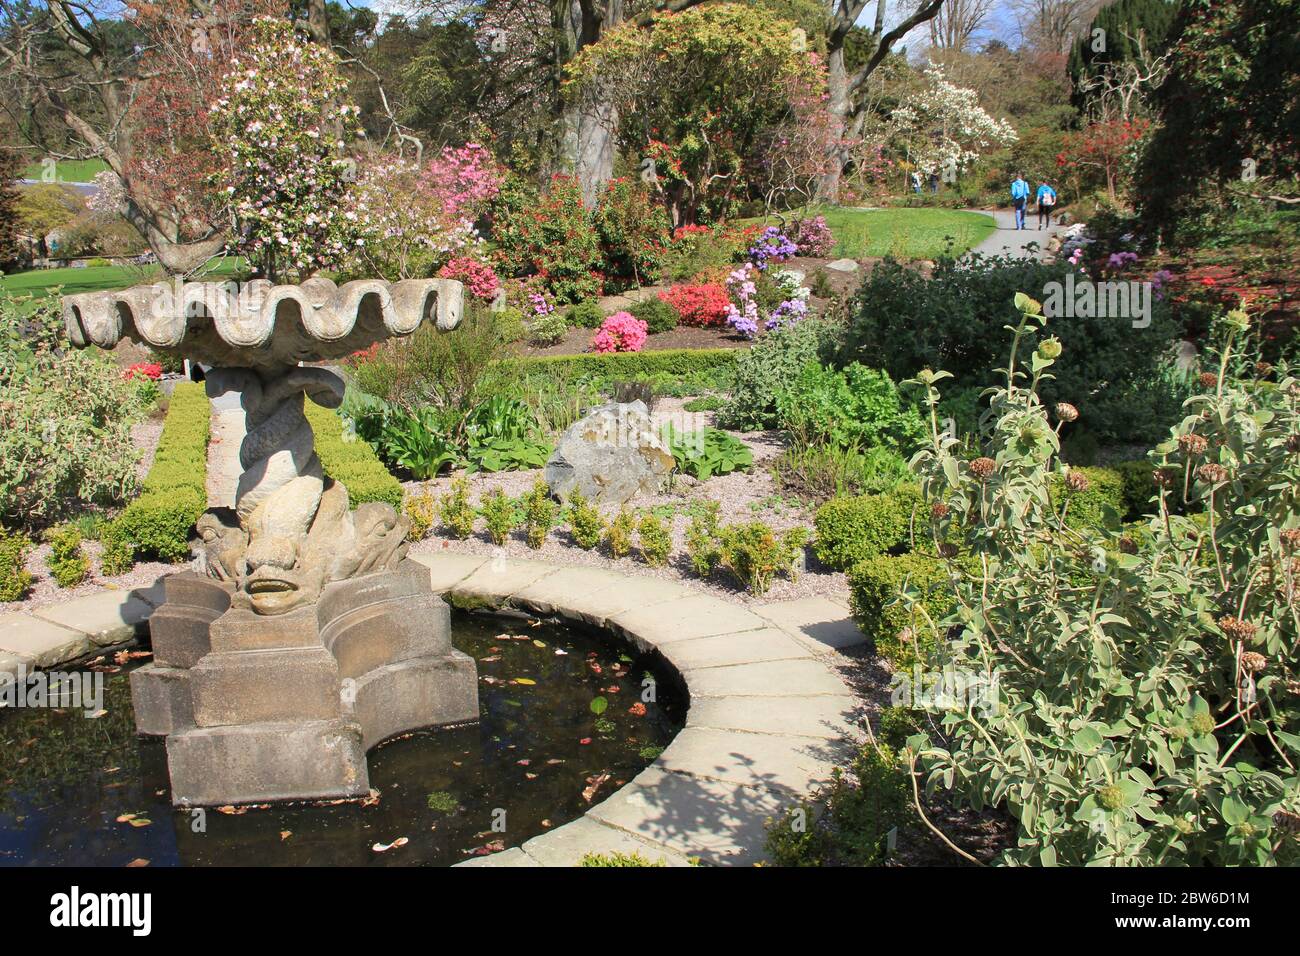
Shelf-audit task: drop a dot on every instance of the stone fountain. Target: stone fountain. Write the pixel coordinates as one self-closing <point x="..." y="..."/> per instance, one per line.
<point x="306" y="636"/>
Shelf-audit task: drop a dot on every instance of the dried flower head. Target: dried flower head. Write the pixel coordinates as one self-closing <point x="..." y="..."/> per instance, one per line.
<point x="1291" y="538"/>
<point x="1050" y="348"/>
<point x="1236" y="628"/>
<point x="1127" y="545"/>
<point x="1212" y="473"/>
<point x="1193" y="444"/>
<point x="1209" y="380"/>
<point x="1165" y="477"/>
<point x="1293" y="443"/>
<point x="1287" y="822"/>
<point x="1077" y="481"/>
<point x="1252" y="662"/>
<point x="947" y="550"/>
<point x="1066" y="412"/>
<point x="939" y="511"/>
<point x="981" y="468"/>
<point x="1263" y="369"/>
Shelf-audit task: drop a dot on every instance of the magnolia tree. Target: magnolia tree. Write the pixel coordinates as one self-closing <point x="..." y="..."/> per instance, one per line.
<point x="414" y="218"/>
<point x="277" y="126"/>
<point x="945" y="129"/>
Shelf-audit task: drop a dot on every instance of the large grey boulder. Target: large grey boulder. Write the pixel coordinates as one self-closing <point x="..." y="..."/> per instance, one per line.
<point x="611" y="455"/>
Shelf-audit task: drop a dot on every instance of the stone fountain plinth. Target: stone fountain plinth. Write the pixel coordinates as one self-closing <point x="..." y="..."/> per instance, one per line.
<point x="306" y="636"/>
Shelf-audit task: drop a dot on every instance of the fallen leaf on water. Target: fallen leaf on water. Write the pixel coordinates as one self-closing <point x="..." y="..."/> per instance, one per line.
<point x="285" y="834"/>
<point x="526" y="681"/>
<point x="491" y="658"/>
<point x="385" y="847"/>
<point x="523" y="763"/>
<point x="560" y="652"/>
<point x="537" y="643"/>
<point x="371" y="799"/>
<point x="140" y="822"/>
<point x="555" y="760"/>
<point x="496" y="846"/>
<point x="232" y="811"/>
<point x="637" y="709"/>
<point x="531" y="776"/>
<point x="584" y="741"/>
<point x="138" y="861"/>
<point x="126" y="818"/>
<point x="593" y="784"/>
<point x="96" y="715"/>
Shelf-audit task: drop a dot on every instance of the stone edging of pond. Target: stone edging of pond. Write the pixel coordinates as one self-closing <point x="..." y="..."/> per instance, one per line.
<point x="768" y="719"/>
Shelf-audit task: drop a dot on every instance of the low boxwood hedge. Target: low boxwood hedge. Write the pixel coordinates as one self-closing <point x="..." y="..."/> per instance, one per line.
<point x="632" y="365"/>
<point x="849" y="530"/>
<point x="352" y="462"/>
<point x="159" y="522"/>
<point x="875" y="585"/>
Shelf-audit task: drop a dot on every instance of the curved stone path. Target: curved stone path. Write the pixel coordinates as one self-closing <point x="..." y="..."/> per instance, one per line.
<point x="769" y="716"/>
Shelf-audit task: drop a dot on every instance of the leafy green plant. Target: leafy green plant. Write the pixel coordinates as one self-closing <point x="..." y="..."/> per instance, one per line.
<point x="706" y="403"/>
<point x="1144" y="710"/>
<point x="585" y="521"/>
<point x="899" y="633"/>
<point x="709" y="452"/>
<point x="502" y="436"/>
<point x="849" y="530"/>
<point x="702" y="540"/>
<point x="15" y="579"/>
<point x="655" y="540"/>
<point x="419" y="441"/>
<point x="421" y="510"/>
<point x="539" y="514"/>
<point x="817" y="471"/>
<point x="657" y="314"/>
<point x="68" y="564"/>
<point x="586" y="315"/>
<point x="634" y="859"/>
<point x="118" y="553"/>
<point x="620" y="533"/>
<point x="754" y="554"/>
<point x="500" y="515"/>
<point x="854" y="407"/>
<point x="455" y="511"/>
<point x="547" y="329"/>
<point x="762" y="373"/>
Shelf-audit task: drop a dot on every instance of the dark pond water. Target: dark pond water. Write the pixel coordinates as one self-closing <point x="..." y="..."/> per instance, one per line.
<point x="88" y="791"/>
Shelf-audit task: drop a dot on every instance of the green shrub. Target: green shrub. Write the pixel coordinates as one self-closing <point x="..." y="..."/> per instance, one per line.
<point x="903" y="322"/>
<point x="585" y="521"/>
<point x="620" y="533"/>
<point x="849" y="530"/>
<point x="421" y="509"/>
<point x="897" y="724"/>
<point x="851" y="822"/>
<point x="706" y="403"/>
<point x="510" y="325"/>
<point x="628" y="366"/>
<point x="753" y="553"/>
<point x="539" y="514"/>
<point x="1100" y="505"/>
<point x="547" y="329"/>
<point x="768" y="368"/>
<point x="354" y="463"/>
<point x="15" y="579"/>
<point x="118" y="554"/>
<point x="160" y="521"/>
<point x="657" y="314"/>
<point x="819" y="472"/>
<point x="709" y="452"/>
<point x="455" y="511"/>
<point x="856" y="407"/>
<point x="875" y="584"/>
<point x="1139" y="487"/>
<point x="586" y="315"/>
<point x="702" y="539"/>
<point x="655" y="540"/>
<point x="68" y="564"/>
<point x="618" y="860"/>
<point x="500" y="515"/>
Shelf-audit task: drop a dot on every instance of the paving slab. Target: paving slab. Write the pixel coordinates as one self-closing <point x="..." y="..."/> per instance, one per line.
<point x="492" y="583"/>
<point x="626" y="594"/>
<point x="745" y="647"/>
<point x="825" y="717"/>
<point x="569" y="591"/>
<point x="109" y="617"/>
<point x="567" y="845"/>
<point x="796" y="765"/>
<point x="40" y="643"/>
<point x="689" y="617"/>
<point x="820" y="623"/>
<point x="511" y="857"/>
<point x="798" y="678"/>
<point x="448" y="570"/>
<point x="715" y="821"/>
<point x="11" y="663"/>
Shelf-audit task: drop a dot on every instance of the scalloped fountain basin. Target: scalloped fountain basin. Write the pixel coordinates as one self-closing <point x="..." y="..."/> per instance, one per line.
<point x="86" y="787"/>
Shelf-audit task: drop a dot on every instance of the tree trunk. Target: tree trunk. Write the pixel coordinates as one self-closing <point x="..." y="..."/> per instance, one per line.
<point x="589" y="131"/>
<point x="838" y="105"/>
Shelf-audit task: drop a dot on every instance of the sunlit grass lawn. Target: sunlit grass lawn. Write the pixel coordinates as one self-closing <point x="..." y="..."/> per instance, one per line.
<point x="902" y="233"/>
<point x="43" y="282"/>
<point x="68" y="170"/>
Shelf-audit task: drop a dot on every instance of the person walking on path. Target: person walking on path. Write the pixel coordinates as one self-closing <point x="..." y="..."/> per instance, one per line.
<point x="1046" y="203"/>
<point x="1019" y="198"/>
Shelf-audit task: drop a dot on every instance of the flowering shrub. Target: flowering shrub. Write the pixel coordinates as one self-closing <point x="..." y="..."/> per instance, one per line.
<point x="284" y="176"/>
<point x="633" y="231"/>
<point x="462" y="181"/>
<point x="621" y="332"/>
<point x="702" y="305"/>
<point x="150" y="370"/>
<point x="772" y="246"/>
<point x="768" y="300"/>
<point x="743" y="314"/>
<point x="1144" y="697"/>
<point x="479" y="278"/>
<point x="553" y="237"/>
<point x="812" y="237"/>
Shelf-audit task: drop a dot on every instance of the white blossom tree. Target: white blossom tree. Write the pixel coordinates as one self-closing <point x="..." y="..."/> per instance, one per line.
<point x="945" y="128"/>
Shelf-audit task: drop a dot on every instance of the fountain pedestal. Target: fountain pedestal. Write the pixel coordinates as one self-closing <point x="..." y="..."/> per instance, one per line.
<point x="258" y="708"/>
<point x="309" y="638"/>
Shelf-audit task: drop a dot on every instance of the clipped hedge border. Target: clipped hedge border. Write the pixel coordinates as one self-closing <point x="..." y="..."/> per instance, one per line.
<point x="158" y="523"/>
<point x="352" y="462"/>
<point x="633" y="364"/>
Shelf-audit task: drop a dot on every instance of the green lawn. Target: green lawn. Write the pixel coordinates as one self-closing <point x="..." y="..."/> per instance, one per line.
<point x="903" y="233"/>
<point x="43" y="282"/>
<point x="68" y="170"/>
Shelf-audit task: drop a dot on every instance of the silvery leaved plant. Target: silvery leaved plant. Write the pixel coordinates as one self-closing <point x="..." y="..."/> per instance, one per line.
<point x="1147" y="691"/>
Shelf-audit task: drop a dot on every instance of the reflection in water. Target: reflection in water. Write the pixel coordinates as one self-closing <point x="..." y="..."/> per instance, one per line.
<point x="89" y="791"/>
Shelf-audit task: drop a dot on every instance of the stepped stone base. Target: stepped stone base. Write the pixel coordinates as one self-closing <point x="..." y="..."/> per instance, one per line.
<point x="265" y="708"/>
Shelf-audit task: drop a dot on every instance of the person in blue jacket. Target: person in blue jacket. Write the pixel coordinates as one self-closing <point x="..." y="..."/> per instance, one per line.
<point x="1046" y="203"/>
<point x="1019" y="198"/>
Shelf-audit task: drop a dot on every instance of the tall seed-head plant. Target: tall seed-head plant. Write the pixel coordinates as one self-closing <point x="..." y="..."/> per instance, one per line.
<point x="1146" y="699"/>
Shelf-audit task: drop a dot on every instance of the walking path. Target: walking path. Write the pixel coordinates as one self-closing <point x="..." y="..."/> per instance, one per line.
<point x="1007" y="240"/>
